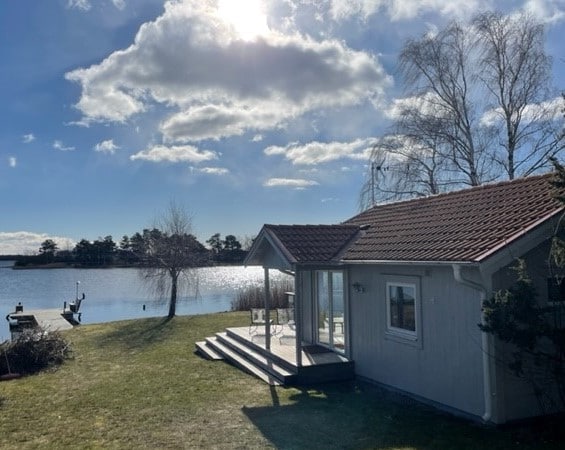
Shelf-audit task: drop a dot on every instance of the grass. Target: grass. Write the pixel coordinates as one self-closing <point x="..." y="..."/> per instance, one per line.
<point x="138" y="384"/>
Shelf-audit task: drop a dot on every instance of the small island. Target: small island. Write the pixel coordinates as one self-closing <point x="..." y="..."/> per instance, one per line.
<point x="131" y="251"/>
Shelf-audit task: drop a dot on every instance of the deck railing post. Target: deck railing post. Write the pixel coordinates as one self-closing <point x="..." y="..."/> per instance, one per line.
<point x="267" y="310"/>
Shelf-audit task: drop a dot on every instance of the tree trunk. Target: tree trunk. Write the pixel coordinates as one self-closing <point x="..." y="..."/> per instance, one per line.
<point x="173" y="301"/>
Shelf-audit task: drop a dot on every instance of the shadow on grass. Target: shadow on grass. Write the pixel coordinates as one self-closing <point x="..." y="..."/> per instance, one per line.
<point x="359" y="416"/>
<point x="137" y="333"/>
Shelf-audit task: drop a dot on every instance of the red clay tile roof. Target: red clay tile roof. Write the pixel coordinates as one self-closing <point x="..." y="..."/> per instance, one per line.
<point x="313" y="243"/>
<point x="466" y="225"/>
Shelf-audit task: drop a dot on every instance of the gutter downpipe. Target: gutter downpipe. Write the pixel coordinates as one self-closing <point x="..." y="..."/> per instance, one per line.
<point x="485" y="342"/>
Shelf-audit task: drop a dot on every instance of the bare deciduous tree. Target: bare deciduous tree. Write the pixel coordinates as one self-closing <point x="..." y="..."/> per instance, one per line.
<point x="402" y="168"/>
<point x="477" y="107"/>
<point x="438" y="71"/>
<point x="171" y="253"/>
<point x="516" y="71"/>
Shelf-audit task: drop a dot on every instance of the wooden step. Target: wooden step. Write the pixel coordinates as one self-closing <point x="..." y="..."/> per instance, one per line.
<point x="239" y="361"/>
<point x="260" y="348"/>
<point x="265" y="362"/>
<point x="203" y="349"/>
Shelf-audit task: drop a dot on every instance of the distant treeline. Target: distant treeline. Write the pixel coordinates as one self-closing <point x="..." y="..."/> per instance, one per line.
<point x="131" y="251"/>
<point x="8" y="257"/>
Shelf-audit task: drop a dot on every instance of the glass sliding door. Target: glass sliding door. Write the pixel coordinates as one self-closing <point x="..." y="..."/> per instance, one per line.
<point x="323" y="294"/>
<point x="338" y="312"/>
<point x="330" y="309"/>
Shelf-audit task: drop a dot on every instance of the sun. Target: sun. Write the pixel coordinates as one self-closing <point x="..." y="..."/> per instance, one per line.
<point x="246" y="16"/>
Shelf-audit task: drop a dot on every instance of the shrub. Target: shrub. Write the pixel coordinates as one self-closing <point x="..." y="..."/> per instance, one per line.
<point x="33" y="351"/>
<point x="254" y="296"/>
<point x="536" y="337"/>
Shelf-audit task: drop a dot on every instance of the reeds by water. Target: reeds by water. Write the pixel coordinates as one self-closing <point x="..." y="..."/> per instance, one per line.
<point x="254" y="296"/>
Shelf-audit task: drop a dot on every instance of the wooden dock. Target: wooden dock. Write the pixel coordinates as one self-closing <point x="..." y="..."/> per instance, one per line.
<point x="47" y="319"/>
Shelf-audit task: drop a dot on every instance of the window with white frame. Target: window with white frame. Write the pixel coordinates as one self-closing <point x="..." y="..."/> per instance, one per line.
<point x="402" y="309"/>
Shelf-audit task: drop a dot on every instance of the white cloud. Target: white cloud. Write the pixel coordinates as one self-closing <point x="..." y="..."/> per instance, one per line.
<point x="25" y="242"/>
<point x="193" y="62"/>
<point x="175" y="154"/>
<point x="120" y="4"/>
<point x="548" y="110"/>
<point x="58" y="145"/>
<point x="12" y="161"/>
<point x="296" y="183"/>
<point x="257" y="138"/>
<point x="217" y="121"/>
<point x="214" y="170"/>
<point x="322" y="152"/>
<point x="86" y="5"/>
<point x="27" y="138"/>
<point x="406" y="9"/>
<point x="548" y="11"/>
<point x="107" y="146"/>
<point x="428" y="104"/>
<point x="83" y="5"/>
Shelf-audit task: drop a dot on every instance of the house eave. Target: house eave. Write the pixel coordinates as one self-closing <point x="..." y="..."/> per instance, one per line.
<point x="544" y="221"/>
<point x="308" y="265"/>
<point x="408" y="262"/>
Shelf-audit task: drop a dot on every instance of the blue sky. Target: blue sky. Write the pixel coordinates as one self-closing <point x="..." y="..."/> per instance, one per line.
<point x="244" y="112"/>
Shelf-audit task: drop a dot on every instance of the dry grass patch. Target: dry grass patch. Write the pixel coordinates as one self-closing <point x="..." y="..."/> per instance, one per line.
<point x="138" y="384"/>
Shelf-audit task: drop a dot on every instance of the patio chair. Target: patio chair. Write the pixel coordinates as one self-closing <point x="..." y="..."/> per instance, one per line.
<point x="285" y="319"/>
<point x="258" y="319"/>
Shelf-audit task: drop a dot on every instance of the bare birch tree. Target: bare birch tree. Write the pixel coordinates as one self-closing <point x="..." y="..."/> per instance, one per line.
<point x="439" y="71"/>
<point x="516" y="71"/>
<point x="477" y="107"/>
<point x="402" y="168"/>
<point x="171" y="252"/>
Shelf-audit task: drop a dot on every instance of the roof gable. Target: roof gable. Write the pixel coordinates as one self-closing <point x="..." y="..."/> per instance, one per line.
<point x="467" y="225"/>
<point x="304" y="244"/>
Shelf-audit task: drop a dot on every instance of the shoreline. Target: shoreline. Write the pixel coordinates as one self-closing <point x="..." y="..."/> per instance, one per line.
<point x="111" y="266"/>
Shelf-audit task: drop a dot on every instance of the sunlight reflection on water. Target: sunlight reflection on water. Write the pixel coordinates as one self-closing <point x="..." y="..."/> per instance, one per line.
<point x="116" y="294"/>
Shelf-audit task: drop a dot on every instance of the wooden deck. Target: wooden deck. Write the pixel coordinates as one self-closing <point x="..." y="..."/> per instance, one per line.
<point x="277" y="365"/>
<point x="283" y="345"/>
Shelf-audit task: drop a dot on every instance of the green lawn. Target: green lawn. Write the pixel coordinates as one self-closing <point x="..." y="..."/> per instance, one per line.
<point x="138" y="384"/>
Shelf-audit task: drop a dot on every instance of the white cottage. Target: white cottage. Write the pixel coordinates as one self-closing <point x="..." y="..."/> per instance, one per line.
<point x="394" y="294"/>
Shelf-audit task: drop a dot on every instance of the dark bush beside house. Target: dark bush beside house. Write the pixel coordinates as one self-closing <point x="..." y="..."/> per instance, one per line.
<point x="32" y="352"/>
<point x="254" y="296"/>
<point x="536" y="336"/>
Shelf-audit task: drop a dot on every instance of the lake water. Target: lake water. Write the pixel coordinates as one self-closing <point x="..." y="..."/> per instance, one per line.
<point x="116" y="294"/>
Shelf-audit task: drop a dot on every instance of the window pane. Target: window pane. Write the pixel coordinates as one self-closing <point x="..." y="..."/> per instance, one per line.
<point x="331" y="309"/>
<point x="338" y="312"/>
<point x="323" y="307"/>
<point x="402" y="307"/>
<point x="337" y="294"/>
